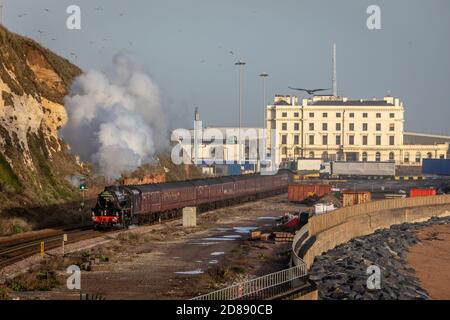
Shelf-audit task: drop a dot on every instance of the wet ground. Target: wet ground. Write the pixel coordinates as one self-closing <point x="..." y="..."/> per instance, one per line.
<point x="174" y="263"/>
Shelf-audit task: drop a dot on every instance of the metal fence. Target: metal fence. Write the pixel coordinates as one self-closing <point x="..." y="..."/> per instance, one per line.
<point x="262" y="288"/>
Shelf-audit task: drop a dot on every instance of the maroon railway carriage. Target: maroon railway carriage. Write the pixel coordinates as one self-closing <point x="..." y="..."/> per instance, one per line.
<point x="122" y="206"/>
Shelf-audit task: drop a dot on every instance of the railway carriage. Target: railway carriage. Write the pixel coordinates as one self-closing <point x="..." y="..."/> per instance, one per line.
<point x="124" y="205"/>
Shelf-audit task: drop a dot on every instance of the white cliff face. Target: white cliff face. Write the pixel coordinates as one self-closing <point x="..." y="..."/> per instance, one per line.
<point x="28" y="115"/>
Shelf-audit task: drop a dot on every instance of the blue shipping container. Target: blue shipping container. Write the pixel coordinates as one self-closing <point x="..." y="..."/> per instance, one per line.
<point x="436" y="166"/>
<point x="234" y="169"/>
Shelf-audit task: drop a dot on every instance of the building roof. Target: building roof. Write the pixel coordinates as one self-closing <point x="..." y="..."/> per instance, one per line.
<point x="351" y="103"/>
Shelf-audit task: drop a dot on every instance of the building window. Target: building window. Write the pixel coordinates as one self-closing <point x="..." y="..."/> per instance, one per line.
<point x="378" y="140"/>
<point x="284" y="139"/>
<point x="378" y="115"/>
<point x="378" y="126"/>
<point x="324" y="126"/>
<point x="311" y="127"/>
<point x="325" y="156"/>
<point x="351" y="126"/>
<point x="284" y="114"/>
<point x="311" y="114"/>
<point x="365" y="126"/>
<point x="325" y="140"/>
<point x="418" y="157"/>
<point x="351" y="140"/>
<point x="296" y="139"/>
<point x="406" y="158"/>
<point x="311" y="154"/>
<point x="338" y="140"/>
<point x="297" y="151"/>
<point x="392" y="127"/>
<point x="284" y="126"/>
<point x="338" y="127"/>
<point x="296" y="126"/>
<point x="311" y="140"/>
<point x="365" y="115"/>
<point x="391" y="115"/>
<point x="338" y="114"/>
<point x="352" y="115"/>
<point x="364" y="157"/>
<point x="391" y="140"/>
<point x="442" y="156"/>
<point x="284" y="150"/>
<point x="325" y="115"/>
<point x="429" y="155"/>
<point x="295" y="114"/>
<point x="364" y="140"/>
<point x="377" y="157"/>
<point x="391" y="156"/>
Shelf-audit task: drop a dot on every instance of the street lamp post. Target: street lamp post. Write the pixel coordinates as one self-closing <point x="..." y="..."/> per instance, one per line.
<point x="264" y="76"/>
<point x="241" y="65"/>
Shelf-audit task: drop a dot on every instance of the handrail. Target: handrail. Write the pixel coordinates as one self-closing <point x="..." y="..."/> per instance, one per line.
<point x="261" y="288"/>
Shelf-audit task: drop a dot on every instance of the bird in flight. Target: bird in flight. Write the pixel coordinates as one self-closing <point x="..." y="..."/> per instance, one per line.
<point x="309" y="91"/>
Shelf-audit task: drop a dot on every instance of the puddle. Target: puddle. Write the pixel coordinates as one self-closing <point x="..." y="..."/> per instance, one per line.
<point x="223" y="229"/>
<point x="268" y="218"/>
<point x="199" y="261"/>
<point x="218" y="239"/>
<point x="218" y="253"/>
<point x="205" y="243"/>
<point x="244" y="229"/>
<point x="213" y="262"/>
<point x="236" y="236"/>
<point x="193" y="272"/>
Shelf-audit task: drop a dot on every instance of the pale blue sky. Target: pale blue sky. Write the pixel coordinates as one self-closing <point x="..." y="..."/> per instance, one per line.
<point x="185" y="46"/>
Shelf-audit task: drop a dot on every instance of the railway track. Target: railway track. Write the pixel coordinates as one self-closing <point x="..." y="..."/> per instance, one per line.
<point x="15" y="250"/>
<point x="19" y="249"/>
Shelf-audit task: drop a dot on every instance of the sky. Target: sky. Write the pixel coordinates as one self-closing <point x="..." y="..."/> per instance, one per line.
<point x="185" y="47"/>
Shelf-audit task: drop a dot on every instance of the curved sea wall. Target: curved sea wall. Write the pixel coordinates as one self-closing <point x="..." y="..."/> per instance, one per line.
<point x="327" y="231"/>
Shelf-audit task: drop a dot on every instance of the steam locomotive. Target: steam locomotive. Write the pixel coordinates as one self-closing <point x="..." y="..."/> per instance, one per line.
<point x="121" y="206"/>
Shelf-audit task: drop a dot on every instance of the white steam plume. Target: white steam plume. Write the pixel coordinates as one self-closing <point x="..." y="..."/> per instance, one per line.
<point x="115" y="118"/>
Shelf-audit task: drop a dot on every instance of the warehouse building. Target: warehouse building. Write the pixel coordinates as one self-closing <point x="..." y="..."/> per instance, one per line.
<point x="337" y="128"/>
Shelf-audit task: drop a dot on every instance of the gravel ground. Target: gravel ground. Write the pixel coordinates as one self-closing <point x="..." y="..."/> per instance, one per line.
<point x="341" y="273"/>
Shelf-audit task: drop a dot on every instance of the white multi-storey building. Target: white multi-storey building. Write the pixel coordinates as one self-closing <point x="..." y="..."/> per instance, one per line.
<point x="337" y="128"/>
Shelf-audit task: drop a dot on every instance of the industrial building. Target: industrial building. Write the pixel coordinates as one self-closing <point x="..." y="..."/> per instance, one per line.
<point x="338" y="128"/>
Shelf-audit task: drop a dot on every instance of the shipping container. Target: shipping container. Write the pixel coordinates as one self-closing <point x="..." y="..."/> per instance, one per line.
<point x="351" y="198"/>
<point x="321" y="208"/>
<point x="308" y="165"/>
<point x="350" y="169"/>
<point x="416" y="192"/>
<point x="436" y="166"/>
<point x="299" y="192"/>
<point x="233" y="169"/>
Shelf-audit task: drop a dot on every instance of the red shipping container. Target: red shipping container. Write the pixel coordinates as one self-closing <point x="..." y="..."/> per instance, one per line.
<point x="421" y="192"/>
<point x="299" y="192"/>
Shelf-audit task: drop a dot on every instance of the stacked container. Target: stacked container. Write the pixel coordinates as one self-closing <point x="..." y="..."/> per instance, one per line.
<point x="351" y="198"/>
<point x="421" y="192"/>
<point x="299" y="192"/>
